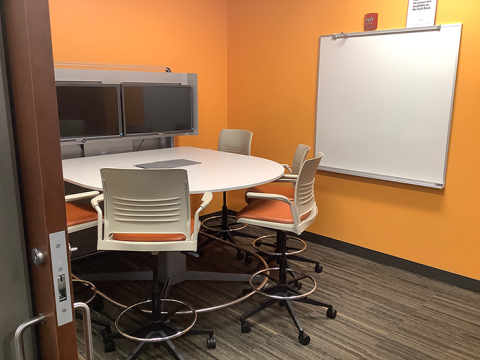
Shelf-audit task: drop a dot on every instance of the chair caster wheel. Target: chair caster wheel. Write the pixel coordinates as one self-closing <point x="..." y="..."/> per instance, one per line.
<point x="298" y="285"/>
<point x="318" y="268"/>
<point x="246" y="327"/>
<point x="98" y="305"/>
<point x="211" y="343"/>
<point x="248" y="259"/>
<point x="105" y="332"/>
<point x="239" y="255"/>
<point x="303" y="338"/>
<point x="109" y="346"/>
<point x="332" y="314"/>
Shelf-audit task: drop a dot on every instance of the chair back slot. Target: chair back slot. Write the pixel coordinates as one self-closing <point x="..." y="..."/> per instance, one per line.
<point x="304" y="198"/>
<point x="133" y="210"/>
<point x="306" y="192"/>
<point x="146" y="201"/>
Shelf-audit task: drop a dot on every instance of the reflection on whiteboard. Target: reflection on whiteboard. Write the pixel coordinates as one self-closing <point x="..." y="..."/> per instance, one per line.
<point x="384" y="104"/>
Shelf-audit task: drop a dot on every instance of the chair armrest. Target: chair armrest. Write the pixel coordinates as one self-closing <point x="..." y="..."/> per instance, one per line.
<point x="206" y="199"/>
<point x="290" y="178"/>
<point x="264" y="196"/>
<point x="96" y="201"/>
<point x="81" y="196"/>
<point x="287" y="167"/>
<point x="96" y="205"/>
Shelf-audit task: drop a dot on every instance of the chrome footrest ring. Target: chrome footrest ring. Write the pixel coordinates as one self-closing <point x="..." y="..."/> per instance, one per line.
<point x="254" y="244"/>
<point x="294" y="297"/>
<point x="157" y="339"/>
<point x="233" y="227"/>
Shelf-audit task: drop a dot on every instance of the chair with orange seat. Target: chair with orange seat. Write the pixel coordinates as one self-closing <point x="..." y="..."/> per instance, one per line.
<point x="149" y="210"/>
<point x="80" y="216"/>
<point x="287" y="191"/>
<point x="237" y="141"/>
<point x="277" y="212"/>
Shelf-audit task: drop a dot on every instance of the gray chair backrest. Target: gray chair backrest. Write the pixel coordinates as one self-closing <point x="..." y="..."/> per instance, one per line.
<point x="304" y="198"/>
<point x="146" y="201"/>
<point x="236" y="141"/>
<point x="299" y="157"/>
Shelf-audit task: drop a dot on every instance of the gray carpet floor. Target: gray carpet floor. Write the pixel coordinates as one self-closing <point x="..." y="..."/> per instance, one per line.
<point x="383" y="312"/>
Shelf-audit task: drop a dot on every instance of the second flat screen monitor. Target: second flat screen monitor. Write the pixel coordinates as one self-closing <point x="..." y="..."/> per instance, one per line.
<point x="157" y="108"/>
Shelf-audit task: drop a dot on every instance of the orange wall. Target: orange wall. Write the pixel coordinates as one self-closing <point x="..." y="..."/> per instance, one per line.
<point x="272" y="68"/>
<point x="188" y="36"/>
<point x="272" y="75"/>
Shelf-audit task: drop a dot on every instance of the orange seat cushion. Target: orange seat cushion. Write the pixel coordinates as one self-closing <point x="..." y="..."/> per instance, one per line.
<point x="151" y="237"/>
<point x="268" y="210"/>
<point x="79" y="214"/>
<point x="288" y="192"/>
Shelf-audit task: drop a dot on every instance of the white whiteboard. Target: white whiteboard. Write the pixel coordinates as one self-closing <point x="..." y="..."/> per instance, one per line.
<point x="385" y="102"/>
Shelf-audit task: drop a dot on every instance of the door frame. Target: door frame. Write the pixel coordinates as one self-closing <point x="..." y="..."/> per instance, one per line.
<point x="30" y="73"/>
<point x="14" y="276"/>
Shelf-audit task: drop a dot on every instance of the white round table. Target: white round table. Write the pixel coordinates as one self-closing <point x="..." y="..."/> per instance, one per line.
<point x="217" y="171"/>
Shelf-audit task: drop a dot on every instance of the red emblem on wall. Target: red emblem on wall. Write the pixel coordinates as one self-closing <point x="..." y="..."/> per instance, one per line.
<point x="371" y="21"/>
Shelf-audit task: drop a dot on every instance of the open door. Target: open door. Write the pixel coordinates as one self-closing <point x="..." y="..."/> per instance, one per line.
<point x="14" y="280"/>
<point x="31" y="90"/>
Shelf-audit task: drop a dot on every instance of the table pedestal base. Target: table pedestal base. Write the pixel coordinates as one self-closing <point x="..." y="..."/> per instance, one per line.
<point x="172" y="265"/>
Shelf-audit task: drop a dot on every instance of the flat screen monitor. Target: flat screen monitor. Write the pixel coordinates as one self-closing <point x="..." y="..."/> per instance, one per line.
<point x="157" y="108"/>
<point x="88" y="110"/>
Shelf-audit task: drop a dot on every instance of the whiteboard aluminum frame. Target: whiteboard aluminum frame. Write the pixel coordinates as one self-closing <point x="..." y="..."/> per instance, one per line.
<point x="382" y="177"/>
<point x="386" y="177"/>
<point x="343" y="35"/>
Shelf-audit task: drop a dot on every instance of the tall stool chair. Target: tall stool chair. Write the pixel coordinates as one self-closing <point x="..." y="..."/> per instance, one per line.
<point x="298" y="159"/>
<point x="277" y="212"/>
<point x="81" y="217"/>
<point x="236" y="141"/>
<point x="149" y="210"/>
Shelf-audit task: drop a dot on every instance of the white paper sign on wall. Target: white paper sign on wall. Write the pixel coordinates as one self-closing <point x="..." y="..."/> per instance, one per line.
<point x="421" y="13"/>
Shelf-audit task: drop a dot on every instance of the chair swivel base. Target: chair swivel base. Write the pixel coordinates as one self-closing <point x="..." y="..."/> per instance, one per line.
<point x="284" y="295"/>
<point x="164" y="330"/>
<point x="223" y="224"/>
<point x="160" y="331"/>
<point x="226" y="226"/>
